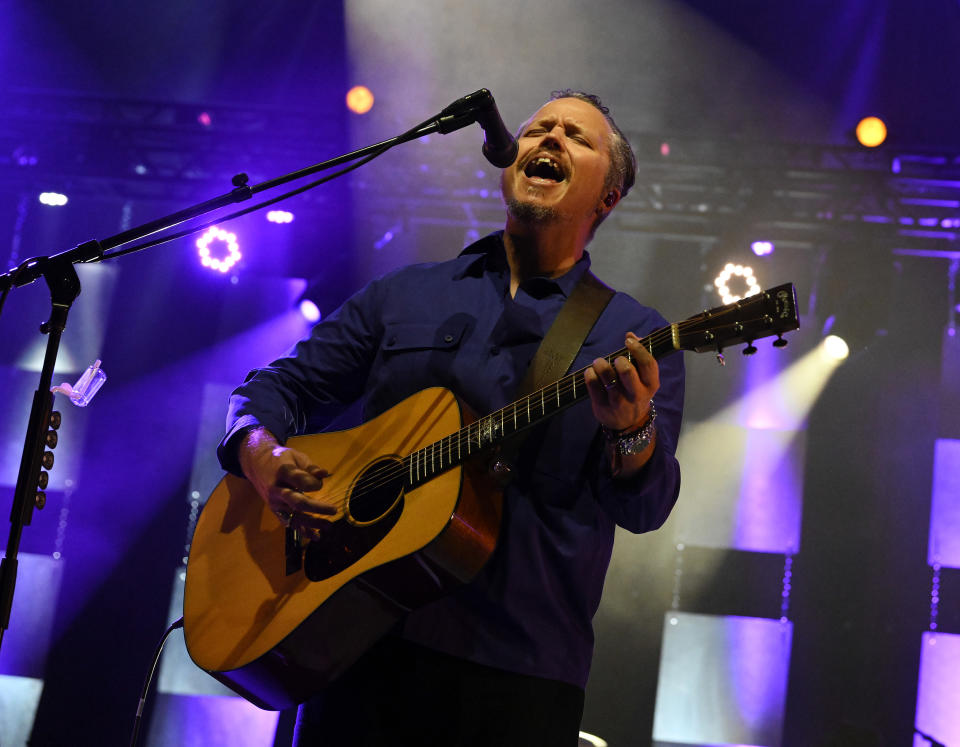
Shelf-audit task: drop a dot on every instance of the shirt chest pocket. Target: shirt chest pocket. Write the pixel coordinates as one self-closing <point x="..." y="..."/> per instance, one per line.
<point x="414" y="356"/>
<point x="400" y="337"/>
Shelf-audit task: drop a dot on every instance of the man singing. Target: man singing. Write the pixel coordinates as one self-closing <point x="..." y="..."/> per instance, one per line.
<point x="504" y="659"/>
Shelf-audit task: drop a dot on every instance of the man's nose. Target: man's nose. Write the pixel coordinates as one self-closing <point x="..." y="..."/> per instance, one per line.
<point x="552" y="138"/>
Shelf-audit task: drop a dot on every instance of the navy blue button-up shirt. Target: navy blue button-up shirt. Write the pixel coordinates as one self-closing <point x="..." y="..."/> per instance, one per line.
<point x="454" y="324"/>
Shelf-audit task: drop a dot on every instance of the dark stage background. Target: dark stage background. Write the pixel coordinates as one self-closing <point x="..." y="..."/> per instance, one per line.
<point x="804" y="593"/>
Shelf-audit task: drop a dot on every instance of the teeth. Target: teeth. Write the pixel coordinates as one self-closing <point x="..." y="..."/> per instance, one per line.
<point x="545" y="161"/>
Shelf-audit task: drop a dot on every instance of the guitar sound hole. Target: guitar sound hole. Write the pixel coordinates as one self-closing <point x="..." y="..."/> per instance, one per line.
<point x="376" y="490"/>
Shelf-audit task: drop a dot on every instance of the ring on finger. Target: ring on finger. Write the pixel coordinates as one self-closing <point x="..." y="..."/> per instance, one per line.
<point x="610" y="384"/>
<point x="284" y="516"/>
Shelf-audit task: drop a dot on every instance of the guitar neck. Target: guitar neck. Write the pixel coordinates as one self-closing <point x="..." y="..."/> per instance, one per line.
<point x="491" y="430"/>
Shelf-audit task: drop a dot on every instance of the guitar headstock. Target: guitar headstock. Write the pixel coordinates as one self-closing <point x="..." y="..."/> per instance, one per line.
<point x="766" y="314"/>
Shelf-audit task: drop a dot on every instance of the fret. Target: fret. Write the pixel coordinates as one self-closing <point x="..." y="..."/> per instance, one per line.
<point x="528" y="410"/>
<point x="543" y="404"/>
<point x="459" y="443"/>
<point x="558" y="395"/>
<point x="469" y="445"/>
<point x="432" y="469"/>
<point x="514" y="417"/>
<point x="410" y="462"/>
<point x="574" y="386"/>
<point x="502" y="413"/>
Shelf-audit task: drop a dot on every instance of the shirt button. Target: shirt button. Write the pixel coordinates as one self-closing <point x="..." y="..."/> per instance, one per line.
<point x="448" y="338"/>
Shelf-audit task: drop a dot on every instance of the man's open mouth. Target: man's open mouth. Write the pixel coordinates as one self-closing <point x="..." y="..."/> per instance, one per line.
<point x="543" y="167"/>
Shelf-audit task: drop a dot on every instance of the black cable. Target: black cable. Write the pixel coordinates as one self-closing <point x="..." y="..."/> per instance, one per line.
<point x="146" y="683"/>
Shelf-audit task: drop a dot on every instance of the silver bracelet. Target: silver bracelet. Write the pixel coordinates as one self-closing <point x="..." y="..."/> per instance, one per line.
<point x="635" y="441"/>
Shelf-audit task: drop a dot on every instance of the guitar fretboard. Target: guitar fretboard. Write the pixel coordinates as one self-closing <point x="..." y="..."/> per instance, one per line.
<point x="489" y="431"/>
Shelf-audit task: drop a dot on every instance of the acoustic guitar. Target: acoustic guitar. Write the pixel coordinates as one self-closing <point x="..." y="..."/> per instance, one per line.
<point x="276" y="616"/>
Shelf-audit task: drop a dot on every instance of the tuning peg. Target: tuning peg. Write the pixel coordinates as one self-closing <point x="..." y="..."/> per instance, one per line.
<point x="40" y="500"/>
<point x="52" y="439"/>
<point x="750" y="349"/>
<point x="779" y="342"/>
<point x="46" y="461"/>
<point x="55" y="419"/>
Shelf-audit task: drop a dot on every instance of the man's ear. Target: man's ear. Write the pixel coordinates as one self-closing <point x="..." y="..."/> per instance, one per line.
<point x="610" y="199"/>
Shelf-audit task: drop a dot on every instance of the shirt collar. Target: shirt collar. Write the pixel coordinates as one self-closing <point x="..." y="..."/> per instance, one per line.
<point x="490" y="256"/>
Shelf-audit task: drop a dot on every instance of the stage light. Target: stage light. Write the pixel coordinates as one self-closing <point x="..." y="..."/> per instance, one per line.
<point x="310" y="311"/>
<point x="54" y="199"/>
<point x="762" y="248"/>
<point x="229" y="240"/>
<point x="871" y="132"/>
<point x="835" y="348"/>
<point x="205" y="119"/>
<point x="280" y="216"/>
<point x="747" y="279"/>
<point x="359" y="99"/>
<point x="389" y="235"/>
<point x="315" y="299"/>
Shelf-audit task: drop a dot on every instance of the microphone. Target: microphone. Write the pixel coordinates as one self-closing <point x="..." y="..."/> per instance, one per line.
<point x="499" y="146"/>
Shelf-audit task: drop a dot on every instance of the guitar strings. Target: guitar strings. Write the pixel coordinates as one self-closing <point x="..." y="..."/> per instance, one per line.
<point x="398" y="469"/>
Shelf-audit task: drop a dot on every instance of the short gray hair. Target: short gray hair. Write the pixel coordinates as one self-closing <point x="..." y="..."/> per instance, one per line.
<point x="623" y="163"/>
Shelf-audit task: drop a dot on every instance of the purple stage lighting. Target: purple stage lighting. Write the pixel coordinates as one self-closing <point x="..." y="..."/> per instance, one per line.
<point x="54" y="199"/>
<point x="280" y="216"/>
<point x="229" y="242"/>
<point x="310" y="311"/>
<point x="762" y="248"/>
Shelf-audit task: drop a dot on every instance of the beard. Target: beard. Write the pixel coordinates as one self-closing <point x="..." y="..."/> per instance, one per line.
<point x="527" y="212"/>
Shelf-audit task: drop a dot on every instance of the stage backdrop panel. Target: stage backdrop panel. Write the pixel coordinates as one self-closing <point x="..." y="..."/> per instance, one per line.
<point x="938" y="695"/>
<point x="944" y="545"/>
<point x="723" y="680"/>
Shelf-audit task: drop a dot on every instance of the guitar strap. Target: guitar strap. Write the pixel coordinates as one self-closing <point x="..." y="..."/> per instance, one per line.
<point x="557" y="352"/>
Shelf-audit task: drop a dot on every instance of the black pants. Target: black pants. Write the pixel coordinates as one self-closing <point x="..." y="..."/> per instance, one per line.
<point x="400" y="694"/>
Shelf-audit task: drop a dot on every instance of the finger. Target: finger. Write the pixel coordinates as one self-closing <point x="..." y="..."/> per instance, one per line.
<point x="606" y="373"/>
<point x="300" y="503"/>
<point x="594" y="386"/>
<point x="318" y="472"/>
<point x="293" y="476"/>
<point x="628" y="379"/>
<point x="646" y="365"/>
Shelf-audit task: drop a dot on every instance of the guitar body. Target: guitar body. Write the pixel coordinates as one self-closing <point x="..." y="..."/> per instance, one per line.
<point x="418" y="514"/>
<point x="277" y="637"/>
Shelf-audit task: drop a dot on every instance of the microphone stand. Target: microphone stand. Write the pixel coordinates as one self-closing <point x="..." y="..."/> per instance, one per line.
<point x="61" y="277"/>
